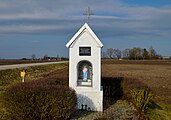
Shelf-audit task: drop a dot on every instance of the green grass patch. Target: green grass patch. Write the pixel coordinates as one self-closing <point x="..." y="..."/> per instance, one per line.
<point x="162" y="113"/>
<point x="12" y="76"/>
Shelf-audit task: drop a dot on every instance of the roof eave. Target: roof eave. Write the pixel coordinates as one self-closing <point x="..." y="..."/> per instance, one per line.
<point x="85" y="26"/>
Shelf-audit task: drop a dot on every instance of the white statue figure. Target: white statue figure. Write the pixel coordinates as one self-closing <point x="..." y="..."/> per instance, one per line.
<point x="85" y="73"/>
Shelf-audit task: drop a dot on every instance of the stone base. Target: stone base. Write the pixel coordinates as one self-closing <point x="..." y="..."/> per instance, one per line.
<point x="90" y="100"/>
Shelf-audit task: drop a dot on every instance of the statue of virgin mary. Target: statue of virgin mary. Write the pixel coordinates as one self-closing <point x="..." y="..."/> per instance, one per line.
<point x="85" y="73"/>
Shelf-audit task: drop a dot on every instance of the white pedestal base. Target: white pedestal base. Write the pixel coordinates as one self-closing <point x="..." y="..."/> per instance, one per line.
<point x="90" y="100"/>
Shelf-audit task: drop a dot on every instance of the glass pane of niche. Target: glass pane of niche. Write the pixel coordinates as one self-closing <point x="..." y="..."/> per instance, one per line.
<point x="84" y="74"/>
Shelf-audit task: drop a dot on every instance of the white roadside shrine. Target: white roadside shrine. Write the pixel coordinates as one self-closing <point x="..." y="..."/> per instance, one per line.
<point x="85" y="69"/>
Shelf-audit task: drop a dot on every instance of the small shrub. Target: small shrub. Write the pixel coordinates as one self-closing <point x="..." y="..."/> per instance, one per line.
<point x="32" y="101"/>
<point x="140" y="98"/>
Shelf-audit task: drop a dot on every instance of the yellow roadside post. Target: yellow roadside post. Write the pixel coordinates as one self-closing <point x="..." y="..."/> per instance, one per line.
<point x="23" y="74"/>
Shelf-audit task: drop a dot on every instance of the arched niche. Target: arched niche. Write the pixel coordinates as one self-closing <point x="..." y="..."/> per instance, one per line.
<point x="84" y="73"/>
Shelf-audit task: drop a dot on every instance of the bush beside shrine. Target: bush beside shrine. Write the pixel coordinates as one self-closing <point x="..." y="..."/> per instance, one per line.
<point x="32" y="100"/>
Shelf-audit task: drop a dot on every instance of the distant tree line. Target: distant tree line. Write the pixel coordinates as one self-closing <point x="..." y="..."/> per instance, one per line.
<point x="134" y="53"/>
<point x="45" y="57"/>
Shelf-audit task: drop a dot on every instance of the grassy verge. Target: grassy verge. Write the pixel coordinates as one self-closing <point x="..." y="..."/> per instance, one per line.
<point x="160" y="113"/>
<point x="12" y="76"/>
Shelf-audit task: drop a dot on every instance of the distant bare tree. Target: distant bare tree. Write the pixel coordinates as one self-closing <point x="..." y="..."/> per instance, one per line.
<point x="104" y="55"/>
<point x="33" y="56"/>
<point x="117" y="53"/>
<point x="135" y="53"/>
<point x="45" y="57"/>
<point x="145" y="54"/>
<point x="152" y="52"/>
<point x="138" y="53"/>
<point x="126" y="53"/>
<point x="110" y="52"/>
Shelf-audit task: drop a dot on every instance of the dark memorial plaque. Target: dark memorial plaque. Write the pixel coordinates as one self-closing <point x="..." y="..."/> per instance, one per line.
<point x="85" y="51"/>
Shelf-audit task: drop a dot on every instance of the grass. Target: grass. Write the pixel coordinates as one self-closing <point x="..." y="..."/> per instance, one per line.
<point x="162" y="113"/>
<point x="11" y="76"/>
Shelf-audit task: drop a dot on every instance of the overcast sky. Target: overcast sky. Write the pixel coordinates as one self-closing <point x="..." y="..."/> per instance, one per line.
<point x="44" y="26"/>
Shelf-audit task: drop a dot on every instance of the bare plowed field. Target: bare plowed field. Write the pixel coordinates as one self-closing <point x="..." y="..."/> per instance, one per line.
<point x="156" y="75"/>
